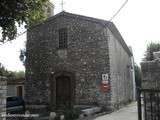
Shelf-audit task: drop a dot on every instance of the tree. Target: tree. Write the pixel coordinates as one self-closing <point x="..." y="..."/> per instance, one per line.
<point x="151" y="47"/>
<point x="11" y="74"/>
<point x="137" y="75"/>
<point x="19" y="74"/>
<point x="19" y="12"/>
<point x="5" y="72"/>
<point x="2" y="70"/>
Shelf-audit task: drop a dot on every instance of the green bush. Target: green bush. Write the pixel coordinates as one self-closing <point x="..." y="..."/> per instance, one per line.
<point x="57" y="117"/>
<point x="71" y="114"/>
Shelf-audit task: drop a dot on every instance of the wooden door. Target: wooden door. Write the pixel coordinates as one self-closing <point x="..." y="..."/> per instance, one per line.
<point x="19" y="91"/>
<point x="63" y="92"/>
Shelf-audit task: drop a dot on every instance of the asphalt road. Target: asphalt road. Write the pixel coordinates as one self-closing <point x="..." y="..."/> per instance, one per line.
<point x="127" y="113"/>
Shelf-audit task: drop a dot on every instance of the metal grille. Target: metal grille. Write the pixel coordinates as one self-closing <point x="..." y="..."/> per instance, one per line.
<point x="148" y="104"/>
<point x="63" y="36"/>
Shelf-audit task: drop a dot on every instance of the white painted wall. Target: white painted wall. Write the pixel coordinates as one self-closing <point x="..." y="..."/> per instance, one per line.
<point x="12" y="90"/>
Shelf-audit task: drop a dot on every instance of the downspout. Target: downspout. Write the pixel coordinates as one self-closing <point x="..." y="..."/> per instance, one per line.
<point x="133" y="75"/>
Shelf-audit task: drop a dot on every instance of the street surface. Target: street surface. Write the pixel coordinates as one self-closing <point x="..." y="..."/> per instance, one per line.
<point x="127" y="113"/>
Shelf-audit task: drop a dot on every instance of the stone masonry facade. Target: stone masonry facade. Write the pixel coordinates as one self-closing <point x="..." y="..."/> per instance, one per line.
<point x="121" y="73"/>
<point x="151" y="82"/>
<point x="151" y="74"/>
<point x="90" y="53"/>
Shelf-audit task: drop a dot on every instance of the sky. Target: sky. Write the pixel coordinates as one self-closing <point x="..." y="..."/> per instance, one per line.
<point x="138" y="22"/>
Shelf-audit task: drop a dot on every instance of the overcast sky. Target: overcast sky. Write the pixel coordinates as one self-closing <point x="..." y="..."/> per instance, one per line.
<point x="138" y="23"/>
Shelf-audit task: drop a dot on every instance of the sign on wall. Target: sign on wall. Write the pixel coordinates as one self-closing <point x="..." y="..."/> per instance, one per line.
<point x="105" y="78"/>
<point x="105" y="87"/>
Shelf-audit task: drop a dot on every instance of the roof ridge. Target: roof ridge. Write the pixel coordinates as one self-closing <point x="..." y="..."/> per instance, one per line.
<point x="104" y="23"/>
<point x="78" y="15"/>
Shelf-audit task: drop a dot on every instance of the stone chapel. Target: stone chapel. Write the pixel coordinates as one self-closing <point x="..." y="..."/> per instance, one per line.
<point x="68" y="59"/>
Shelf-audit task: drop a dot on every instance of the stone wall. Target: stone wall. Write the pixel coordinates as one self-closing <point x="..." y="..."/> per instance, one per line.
<point x="3" y="94"/>
<point x="87" y="57"/>
<point x="151" y="81"/>
<point x="92" y="51"/>
<point x="121" y="73"/>
<point x="150" y="74"/>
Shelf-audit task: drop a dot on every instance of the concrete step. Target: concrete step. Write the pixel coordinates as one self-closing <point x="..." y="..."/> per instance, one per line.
<point x="91" y="111"/>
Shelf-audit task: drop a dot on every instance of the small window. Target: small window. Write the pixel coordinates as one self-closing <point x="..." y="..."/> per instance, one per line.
<point x="63" y="36"/>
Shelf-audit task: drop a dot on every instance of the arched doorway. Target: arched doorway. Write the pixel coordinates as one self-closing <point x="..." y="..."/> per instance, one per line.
<point x="63" y="92"/>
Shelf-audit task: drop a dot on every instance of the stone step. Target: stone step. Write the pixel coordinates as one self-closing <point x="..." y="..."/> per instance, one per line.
<point x="91" y="111"/>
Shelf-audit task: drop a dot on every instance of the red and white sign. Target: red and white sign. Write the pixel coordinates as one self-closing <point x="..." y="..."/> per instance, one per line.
<point x="105" y="83"/>
<point x="105" y="87"/>
<point x="104" y="78"/>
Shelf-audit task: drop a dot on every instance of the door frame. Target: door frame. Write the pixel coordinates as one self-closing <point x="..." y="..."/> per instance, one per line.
<point x="16" y="87"/>
<point x="61" y="83"/>
<point x="52" y="94"/>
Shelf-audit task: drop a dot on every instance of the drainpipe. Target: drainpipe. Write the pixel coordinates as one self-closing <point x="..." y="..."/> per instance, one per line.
<point x="133" y="75"/>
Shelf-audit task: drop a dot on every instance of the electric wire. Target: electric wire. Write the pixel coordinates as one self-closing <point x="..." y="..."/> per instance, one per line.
<point x="122" y="6"/>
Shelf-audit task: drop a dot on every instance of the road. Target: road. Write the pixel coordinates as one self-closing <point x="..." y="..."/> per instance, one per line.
<point x="127" y="113"/>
